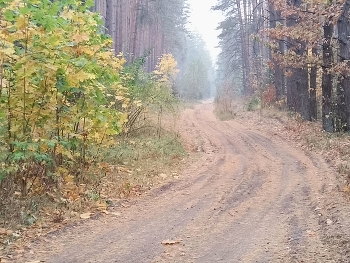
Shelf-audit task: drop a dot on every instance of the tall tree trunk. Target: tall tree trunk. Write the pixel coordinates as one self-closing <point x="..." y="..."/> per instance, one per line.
<point x="344" y="54"/>
<point x="119" y="39"/>
<point x="298" y="98"/>
<point x="340" y="108"/>
<point x="303" y="88"/>
<point x="278" y="74"/>
<point x="313" y="86"/>
<point x="111" y="19"/>
<point x="292" y="95"/>
<point x="136" y="23"/>
<point x="246" y="25"/>
<point x="244" y="49"/>
<point x="327" y="115"/>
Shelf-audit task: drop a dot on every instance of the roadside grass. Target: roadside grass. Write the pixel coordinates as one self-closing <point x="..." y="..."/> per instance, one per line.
<point x="224" y="115"/>
<point x="226" y="110"/>
<point x="140" y="162"/>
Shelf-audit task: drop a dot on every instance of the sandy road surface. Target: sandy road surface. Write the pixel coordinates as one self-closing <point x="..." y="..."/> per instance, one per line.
<point x="251" y="197"/>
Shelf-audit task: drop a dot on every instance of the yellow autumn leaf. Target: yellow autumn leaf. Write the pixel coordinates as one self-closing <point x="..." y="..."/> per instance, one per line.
<point x="44" y="147"/>
<point x="105" y="55"/>
<point x="88" y="51"/>
<point x="62" y="171"/>
<point x="80" y="37"/>
<point x="123" y="118"/>
<point x="31" y="148"/>
<point x="67" y="14"/>
<point x="67" y="154"/>
<point x="59" y="148"/>
<point x="15" y="128"/>
<point x="7" y="51"/>
<point x="82" y="76"/>
<point x="50" y="66"/>
<point x="68" y="178"/>
<point x="21" y="22"/>
<point x="75" y="79"/>
<point x="2" y="34"/>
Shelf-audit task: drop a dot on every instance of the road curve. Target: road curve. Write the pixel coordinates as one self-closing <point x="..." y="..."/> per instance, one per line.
<point x="250" y="197"/>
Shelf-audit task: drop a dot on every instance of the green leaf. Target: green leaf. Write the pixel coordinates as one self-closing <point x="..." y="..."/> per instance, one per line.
<point x="24" y="10"/>
<point x="9" y="15"/>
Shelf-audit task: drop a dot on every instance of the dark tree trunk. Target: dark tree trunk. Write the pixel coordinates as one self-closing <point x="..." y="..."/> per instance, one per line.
<point x="340" y="107"/>
<point x="344" y="54"/>
<point x="313" y="86"/>
<point x="298" y="98"/>
<point x="292" y="101"/>
<point x="327" y="115"/>
<point x="278" y="74"/>
<point x="303" y="88"/>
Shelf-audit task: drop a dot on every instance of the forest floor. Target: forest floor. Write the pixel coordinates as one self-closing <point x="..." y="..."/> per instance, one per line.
<point x="252" y="191"/>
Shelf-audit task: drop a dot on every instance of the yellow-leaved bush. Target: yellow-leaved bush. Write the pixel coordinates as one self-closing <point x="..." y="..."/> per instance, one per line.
<point x="64" y="94"/>
<point x="59" y="88"/>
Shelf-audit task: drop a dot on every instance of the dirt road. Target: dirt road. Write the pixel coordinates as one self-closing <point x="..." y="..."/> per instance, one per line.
<point x="250" y="197"/>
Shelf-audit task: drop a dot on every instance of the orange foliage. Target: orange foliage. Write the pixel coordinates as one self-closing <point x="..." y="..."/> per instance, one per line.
<point x="269" y="95"/>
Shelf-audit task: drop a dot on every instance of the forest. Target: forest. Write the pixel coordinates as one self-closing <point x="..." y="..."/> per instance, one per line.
<point x="90" y="91"/>
<point x="301" y="50"/>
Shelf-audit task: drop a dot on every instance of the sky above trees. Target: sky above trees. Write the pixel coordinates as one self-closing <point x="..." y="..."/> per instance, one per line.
<point x="205" y="21"/>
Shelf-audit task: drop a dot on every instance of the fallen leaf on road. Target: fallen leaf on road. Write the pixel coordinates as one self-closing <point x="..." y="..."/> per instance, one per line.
<point x="310" y="233"/>
<point x="102" y="205"/>
<point x="116" y="213"/>
<point x="170" y="242"/>
<point x="85" y="216"/>
<point x="329" y="222"/>
<point x="163" y="175"/>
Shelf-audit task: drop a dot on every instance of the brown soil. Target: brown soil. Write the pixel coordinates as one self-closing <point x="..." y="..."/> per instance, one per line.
<point x="250" y="196"/>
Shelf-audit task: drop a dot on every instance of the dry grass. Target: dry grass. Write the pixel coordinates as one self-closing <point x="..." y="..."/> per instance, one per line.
<point x="227" y="109"/>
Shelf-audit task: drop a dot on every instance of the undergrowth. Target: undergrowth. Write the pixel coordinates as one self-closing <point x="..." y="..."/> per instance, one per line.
<point x="131" y="166"/>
